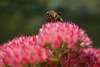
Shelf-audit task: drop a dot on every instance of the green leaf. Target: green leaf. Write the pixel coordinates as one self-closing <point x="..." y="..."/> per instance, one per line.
<point x="54" y="59"/>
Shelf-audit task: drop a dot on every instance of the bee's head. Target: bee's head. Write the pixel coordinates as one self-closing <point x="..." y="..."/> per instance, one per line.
<point x="48" y="15"/>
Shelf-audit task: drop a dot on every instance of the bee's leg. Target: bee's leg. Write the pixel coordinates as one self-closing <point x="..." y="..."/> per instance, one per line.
<point x="61" y="19"/>
<point x="53" y="19"/>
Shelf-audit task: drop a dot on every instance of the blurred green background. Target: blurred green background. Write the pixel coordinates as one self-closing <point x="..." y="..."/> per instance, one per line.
<point x="26" y="16"/>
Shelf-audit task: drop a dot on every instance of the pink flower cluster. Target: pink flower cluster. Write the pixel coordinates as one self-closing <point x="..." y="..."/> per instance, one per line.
<point x="23" y="50"/>
<point x="90" y="56"/>
<point x="54" y="43"/>
<point x="87" y="57"/>
<point x="58" y="32"/>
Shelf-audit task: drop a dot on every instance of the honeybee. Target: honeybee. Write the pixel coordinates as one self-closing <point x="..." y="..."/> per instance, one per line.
<point x="52" y="16"/>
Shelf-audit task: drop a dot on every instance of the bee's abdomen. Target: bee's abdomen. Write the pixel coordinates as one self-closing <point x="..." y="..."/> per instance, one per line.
<point x="58" y="18"/>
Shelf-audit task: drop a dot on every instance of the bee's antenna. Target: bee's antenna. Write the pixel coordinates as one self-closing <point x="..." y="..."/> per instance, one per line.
<point x="47" y="9"/>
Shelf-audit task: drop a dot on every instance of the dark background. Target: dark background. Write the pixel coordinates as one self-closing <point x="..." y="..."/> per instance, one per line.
<point x="25" y="17"/>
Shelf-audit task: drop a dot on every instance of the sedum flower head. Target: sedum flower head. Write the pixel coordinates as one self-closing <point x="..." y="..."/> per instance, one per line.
<point x="23" y="50"/>
<point x="84" y="57"/>
<point x="66" y="32"/>
<point x="90" y="55"/>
